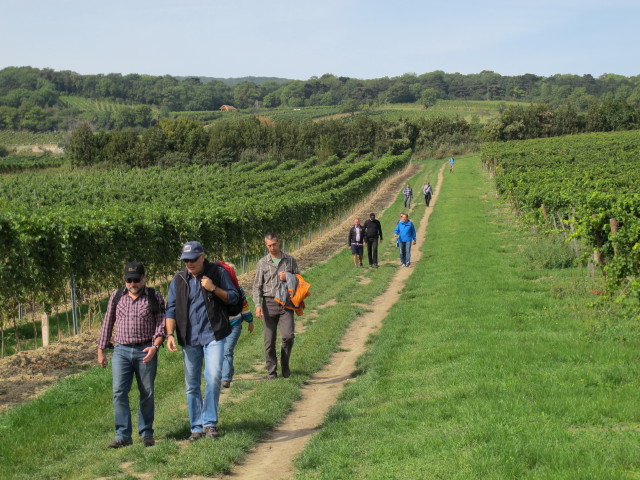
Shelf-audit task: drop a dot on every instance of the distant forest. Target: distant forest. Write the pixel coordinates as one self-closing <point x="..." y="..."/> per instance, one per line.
<point x="34" y="99"/>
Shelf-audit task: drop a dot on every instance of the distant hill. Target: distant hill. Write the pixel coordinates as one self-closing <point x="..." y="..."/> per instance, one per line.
<point x="232" y="82"/>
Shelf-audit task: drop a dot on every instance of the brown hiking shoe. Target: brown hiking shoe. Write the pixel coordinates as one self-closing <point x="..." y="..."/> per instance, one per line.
<point x="120" y="442"/>
<point x="211" y="432"/>
<point x="226" y="383"/>
<point x="148" y="441"/>
<point x="195" y="436"/>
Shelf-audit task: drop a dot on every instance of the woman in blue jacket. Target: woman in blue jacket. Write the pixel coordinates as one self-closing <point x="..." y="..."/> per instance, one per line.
<point x="405" y="232"/>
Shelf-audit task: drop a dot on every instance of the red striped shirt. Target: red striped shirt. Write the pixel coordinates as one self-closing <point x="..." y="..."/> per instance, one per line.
<point x="134" y="322"/>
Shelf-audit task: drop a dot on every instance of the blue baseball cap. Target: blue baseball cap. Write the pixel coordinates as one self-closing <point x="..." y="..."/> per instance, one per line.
<point x="191" y="251"/>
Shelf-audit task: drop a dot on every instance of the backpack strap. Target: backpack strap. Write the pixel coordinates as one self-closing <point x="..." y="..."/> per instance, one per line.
<point x="153" y="301"/>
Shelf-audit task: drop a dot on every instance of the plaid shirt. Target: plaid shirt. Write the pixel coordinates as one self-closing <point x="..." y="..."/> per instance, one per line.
<point x="133" y="320"/>
<point x="266" y="281"/>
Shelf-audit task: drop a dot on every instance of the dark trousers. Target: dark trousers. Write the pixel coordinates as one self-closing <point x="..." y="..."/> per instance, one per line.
<point x="427" y="199"/>
<point x="372" y="250"/>
<point x="273" y="314"/>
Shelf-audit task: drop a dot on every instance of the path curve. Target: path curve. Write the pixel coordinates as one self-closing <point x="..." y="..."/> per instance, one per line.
<point x="272" y="458"/>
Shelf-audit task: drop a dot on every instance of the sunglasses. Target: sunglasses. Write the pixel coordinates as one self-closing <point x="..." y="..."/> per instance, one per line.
<point x="191" y="260"/>
<point x="133" y="280"/>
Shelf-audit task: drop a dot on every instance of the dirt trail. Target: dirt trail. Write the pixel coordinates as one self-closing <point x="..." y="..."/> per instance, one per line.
<point x="272" y="458"/>
<point x="28" y="374"/>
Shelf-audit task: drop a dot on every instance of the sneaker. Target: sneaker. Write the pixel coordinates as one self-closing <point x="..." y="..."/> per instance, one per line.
<point x="226" y="383"/>
<point x="120" y="442"/>
<point x="272" y="376"/>
<point x="211" y="432"/>
<point x="195" y="436"/>
<point x="148" y="441"/>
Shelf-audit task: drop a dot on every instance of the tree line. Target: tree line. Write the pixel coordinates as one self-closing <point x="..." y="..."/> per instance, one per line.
<point x="543" y="120"/>
<point x="183" y="141"/>
<point x="32" y="98"/>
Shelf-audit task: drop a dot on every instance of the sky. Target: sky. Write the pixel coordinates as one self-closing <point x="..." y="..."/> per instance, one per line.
<point x="300" y="39"/>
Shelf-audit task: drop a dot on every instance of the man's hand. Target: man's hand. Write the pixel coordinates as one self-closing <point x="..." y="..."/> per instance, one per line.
<point x="258" y="312"/>
<point x="171" y="344"/>
<point x="150" y="353"/>
<point x="207" y="284"/>
<point x="282" y="276"/>
<point x="102" y="358"/>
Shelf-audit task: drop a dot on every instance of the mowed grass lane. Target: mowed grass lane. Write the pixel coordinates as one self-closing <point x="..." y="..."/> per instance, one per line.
<point x="487" y="368"/>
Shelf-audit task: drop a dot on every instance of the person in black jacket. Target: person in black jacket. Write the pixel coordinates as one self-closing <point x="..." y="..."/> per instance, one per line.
<point x="372" y="232"/>
<point x="196" y="313"/>
<point x="356" y="242"/>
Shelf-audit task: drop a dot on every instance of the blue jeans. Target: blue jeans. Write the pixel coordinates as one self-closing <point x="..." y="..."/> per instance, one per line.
<point x="125" y="363"/>
<point x="203" y="411"/>
<point x="405" y="252"/>
<point x="229" y="344"/>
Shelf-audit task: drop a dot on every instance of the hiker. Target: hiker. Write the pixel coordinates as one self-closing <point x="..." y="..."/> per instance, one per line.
<point x="372" y="231"/>
<point x="137" y="312"/>
<point x="405" y="232"/>
<point x="451" y="160"/>
<point x="408" y="195"/>
<point x="271" y="271"/>
<point x="356" y="242"/>
<point x="427" y="191"/>
<point x="230" y="342"/>
<point x="197" y="303"/>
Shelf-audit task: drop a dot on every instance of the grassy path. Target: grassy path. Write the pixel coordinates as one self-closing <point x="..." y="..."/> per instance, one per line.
<point x="272" y="457"/>
<point x="486" y="368"/>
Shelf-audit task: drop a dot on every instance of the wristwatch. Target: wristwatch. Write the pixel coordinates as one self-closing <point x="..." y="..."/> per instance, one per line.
<point x="157" y="347"/>
<point x="169" y="335"/>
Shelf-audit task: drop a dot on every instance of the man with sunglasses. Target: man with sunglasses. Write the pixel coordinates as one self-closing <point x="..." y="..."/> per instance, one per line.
<point x="197" y="315"/>
<point x="139" y="333"/>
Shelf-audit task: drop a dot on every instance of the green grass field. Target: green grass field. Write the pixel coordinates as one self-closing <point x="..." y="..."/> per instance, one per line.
<point x="488" y="368"/>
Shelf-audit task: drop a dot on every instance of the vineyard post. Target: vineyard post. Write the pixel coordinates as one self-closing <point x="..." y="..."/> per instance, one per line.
<point x="614" y="232"/>
<point x="571" y="227"/>
<point x="45" y="329"/>
<point x="74" y="312"/>
<point x="544" y="213"/>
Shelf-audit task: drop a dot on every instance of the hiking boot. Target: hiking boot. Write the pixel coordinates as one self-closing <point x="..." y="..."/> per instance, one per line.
<point x="148" y="441"/>
<point x="272" y="376"/>
<point x="120" y="442"/>
<point x="286" y="372"/>
<point x="211" y="432"/>
<point x="226" y="383"/>
<point x="195" y="436"/>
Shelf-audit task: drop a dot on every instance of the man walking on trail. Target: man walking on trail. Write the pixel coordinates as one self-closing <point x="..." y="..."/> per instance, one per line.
<point x="372" y="231"/>
<point x="137" y="312"/>
<point x="271" y="272"/>
<point x="408" y="195"/>
<point x="196" y="313"/>
<point x="451" y="160"/>
<point x="405" y="232"/>
<point x="427" y="191"/>
<point x="356" y="242"/>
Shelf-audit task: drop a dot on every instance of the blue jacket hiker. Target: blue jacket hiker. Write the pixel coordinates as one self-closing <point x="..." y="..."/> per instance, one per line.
<point x="405" y="232"/>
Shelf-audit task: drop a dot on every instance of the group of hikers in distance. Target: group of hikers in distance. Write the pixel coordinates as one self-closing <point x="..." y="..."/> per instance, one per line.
<point x="204" y="313"/>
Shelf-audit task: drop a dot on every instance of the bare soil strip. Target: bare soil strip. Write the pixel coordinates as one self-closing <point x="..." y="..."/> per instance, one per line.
<point x="28" y="374"/>
<point x="272" y="458"/>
